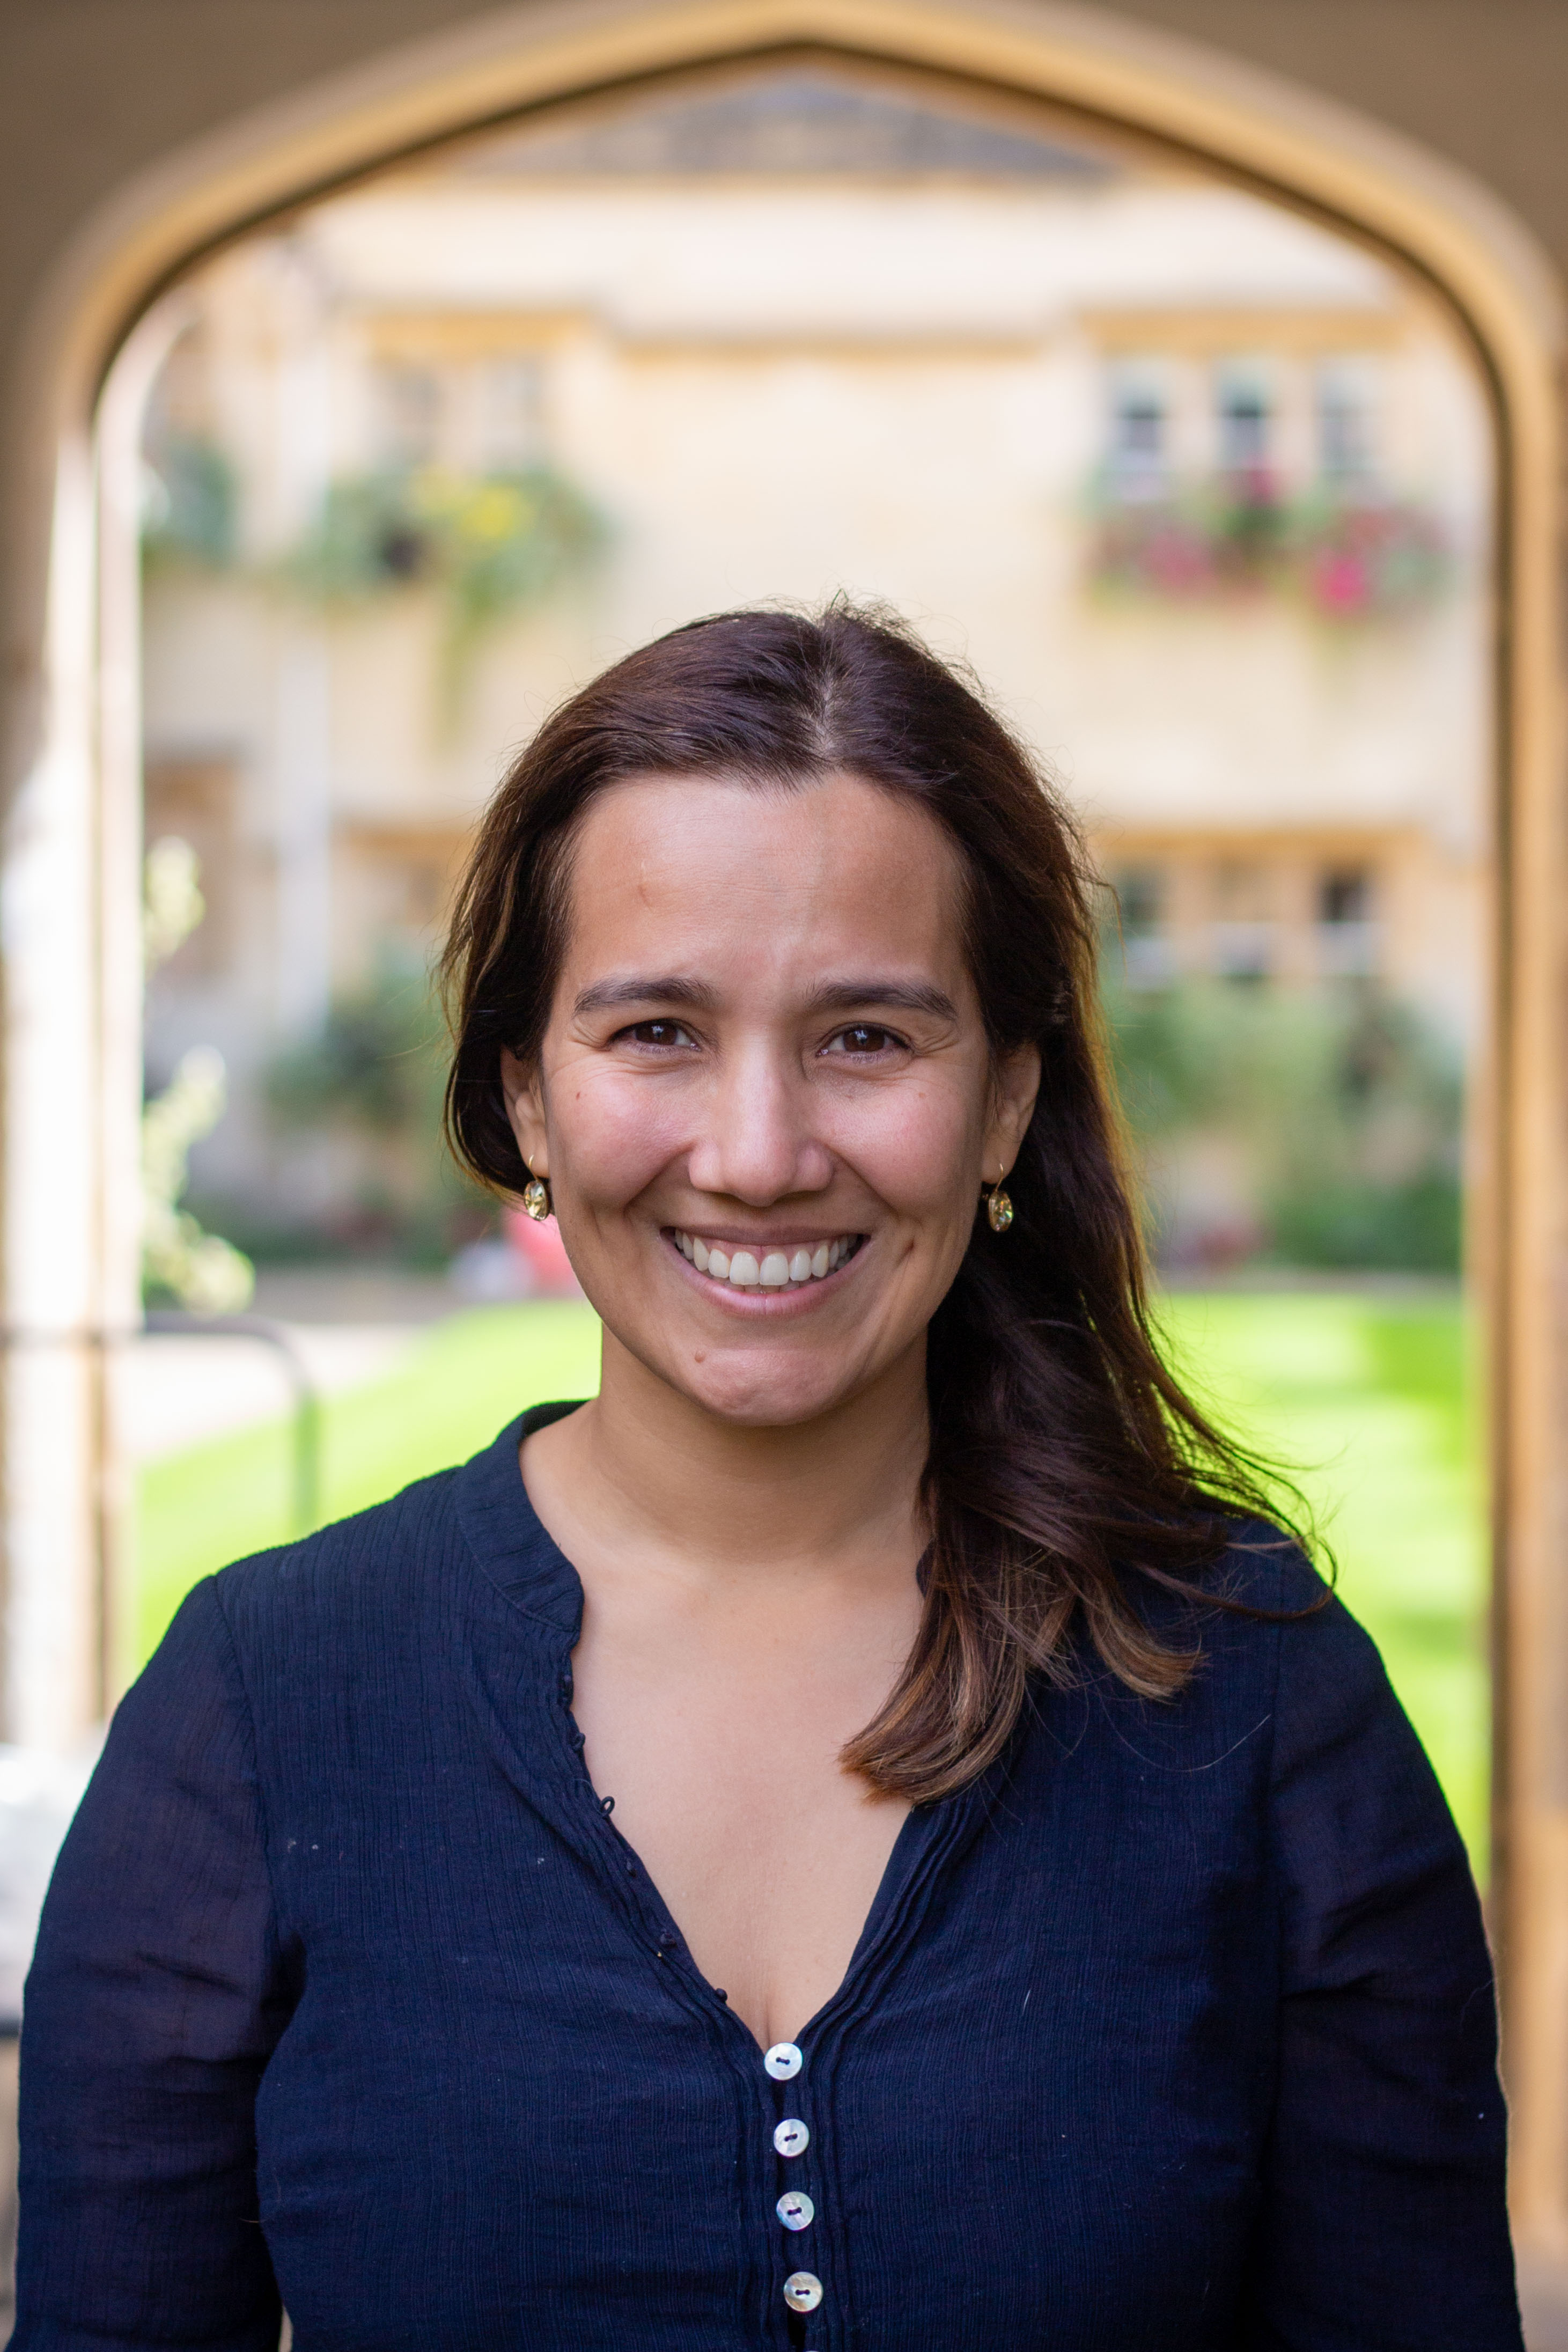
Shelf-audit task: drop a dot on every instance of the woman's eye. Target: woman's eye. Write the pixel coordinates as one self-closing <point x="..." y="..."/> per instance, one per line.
<point x="657" y="1032"/>
<point x="863" y="1039"/>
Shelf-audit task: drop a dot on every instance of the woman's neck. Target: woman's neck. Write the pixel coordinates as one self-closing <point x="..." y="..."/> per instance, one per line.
<point x="645" y="1466"/>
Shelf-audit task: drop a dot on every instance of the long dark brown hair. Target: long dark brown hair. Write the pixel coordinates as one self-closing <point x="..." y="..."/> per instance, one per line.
<point x="1069" y="1476"/>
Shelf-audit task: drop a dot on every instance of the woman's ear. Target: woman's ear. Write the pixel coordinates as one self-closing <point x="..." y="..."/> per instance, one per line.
<point x="1015" y="1086"/>
<point x="525" y="1111"/>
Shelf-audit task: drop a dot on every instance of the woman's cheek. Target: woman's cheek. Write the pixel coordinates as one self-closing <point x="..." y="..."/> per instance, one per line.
<point x="618" y="1132"/>
<point x="914" y="1144"/>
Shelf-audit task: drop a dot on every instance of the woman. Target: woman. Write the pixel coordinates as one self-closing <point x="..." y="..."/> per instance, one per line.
<point x="858" y="1837"/>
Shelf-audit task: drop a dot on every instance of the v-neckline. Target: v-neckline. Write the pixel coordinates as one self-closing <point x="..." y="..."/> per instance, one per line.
<point x="555" y="1593"/>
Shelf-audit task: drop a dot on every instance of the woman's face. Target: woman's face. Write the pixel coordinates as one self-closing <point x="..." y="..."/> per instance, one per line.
<point x="764" y="1100"/>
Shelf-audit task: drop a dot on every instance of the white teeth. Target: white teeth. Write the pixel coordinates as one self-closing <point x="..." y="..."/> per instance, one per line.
<point x="767" y="1270"/>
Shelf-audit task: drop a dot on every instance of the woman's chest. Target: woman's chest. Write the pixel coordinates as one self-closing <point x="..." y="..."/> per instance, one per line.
<point x="720" y="1757"/>
<point x="511" y="2108"/>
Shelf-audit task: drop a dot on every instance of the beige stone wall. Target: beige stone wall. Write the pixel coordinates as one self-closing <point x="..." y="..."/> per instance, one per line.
<point x="784" y="384"/>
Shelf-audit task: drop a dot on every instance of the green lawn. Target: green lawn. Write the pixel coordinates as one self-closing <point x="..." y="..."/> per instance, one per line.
<point x="1366" y="1395"/>
<point x="1369" y="1399"/>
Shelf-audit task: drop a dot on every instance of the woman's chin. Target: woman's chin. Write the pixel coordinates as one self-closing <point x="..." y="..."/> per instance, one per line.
<point x="755" y="1390"/>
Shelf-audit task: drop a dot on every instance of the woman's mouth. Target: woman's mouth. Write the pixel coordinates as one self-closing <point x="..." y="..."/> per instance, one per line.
<point x="761" y="1269"/>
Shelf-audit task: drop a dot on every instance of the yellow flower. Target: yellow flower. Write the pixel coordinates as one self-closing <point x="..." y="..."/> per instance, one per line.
<point x="494" y="512"/>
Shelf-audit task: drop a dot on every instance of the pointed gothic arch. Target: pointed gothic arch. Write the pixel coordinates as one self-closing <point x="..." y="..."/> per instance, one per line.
<point x="68" y="885"/>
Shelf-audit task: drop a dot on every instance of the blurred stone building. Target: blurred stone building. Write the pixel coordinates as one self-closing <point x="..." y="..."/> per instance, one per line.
<point x="1199" y="489"/>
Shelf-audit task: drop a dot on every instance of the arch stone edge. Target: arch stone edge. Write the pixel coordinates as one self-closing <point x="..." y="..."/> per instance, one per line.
<point x="1307" y="150"/>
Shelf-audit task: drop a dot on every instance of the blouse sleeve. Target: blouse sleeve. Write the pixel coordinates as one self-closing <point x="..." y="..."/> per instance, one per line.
<point x="1384" y="2219"/>
<point x="154" y="2000"/>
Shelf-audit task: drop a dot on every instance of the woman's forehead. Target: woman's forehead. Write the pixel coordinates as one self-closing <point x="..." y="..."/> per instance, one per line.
<point x="763" y="872"/>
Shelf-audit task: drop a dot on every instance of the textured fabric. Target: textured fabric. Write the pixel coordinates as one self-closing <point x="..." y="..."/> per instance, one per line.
<point x="1173" y="2034"/>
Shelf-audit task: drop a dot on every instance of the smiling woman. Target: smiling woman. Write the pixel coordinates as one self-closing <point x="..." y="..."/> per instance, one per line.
<point x="859" y="932"/>
<point x="1027" y="1915"/>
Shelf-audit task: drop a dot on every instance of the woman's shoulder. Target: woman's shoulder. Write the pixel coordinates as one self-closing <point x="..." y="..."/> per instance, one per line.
<point x="1274" y="1652"/>
<point x="376" y="1575"/>
<point x="461" y="1543"/>
<point x="1340" y="1741"/>
<point x="1264" y="1579"/>
<point x="1261" y="1567"/>
<point x="384" y="1544"/>
<point x="1257" y="1581"/>
<point x="1264" y="1596"/>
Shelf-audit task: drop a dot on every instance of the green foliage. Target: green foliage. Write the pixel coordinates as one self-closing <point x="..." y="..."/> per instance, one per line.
<point x="485" y="545"/>
<point x="172" y="901"/>
<point x="377" y="1064"/>
<point x="488" y="543"/>
<point x="505" y="540"/>
<point x="191" y="506"/>
<point x="181" y="1261"/>
<point x="1341" y="1109"/>
<point x="374" y="1076"/>
<point x="364" y="542"/>
<point x="1412" y="1227"/>
<point x="1202" y="1054"/>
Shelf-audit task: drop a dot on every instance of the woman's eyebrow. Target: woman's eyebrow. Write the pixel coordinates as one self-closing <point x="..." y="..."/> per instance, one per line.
<point x="902" y="996"/>
<point x="640" y="988"/>
<point x="834" y="996"/>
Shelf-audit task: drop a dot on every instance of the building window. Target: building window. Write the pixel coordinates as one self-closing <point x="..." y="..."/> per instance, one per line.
<point x="508" y="420"/>
<point x="1347" y="929"/>
<point x="1139" y="434"/>
<point x="409" y="402"/>
<point x="1243" y="418"/>
<point x="1242" y="937"/>
<point x="1141" y="903"/>
<point x="1346" y="405"/>
<point x="1344" y="896"/>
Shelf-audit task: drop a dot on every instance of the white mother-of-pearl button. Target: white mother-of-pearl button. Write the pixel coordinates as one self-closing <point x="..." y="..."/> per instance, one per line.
<point x="792" y="2137"/>
<point x="796" y="2210"/>
<point x="783" y="2061"/>
<point x="802" y="2291"/>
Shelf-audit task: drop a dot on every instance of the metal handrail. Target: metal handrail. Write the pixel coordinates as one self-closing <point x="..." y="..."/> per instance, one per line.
<point x="307" y="1395"/>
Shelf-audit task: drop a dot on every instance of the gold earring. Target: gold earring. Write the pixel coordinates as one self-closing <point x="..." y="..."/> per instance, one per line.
<point x="536" y="1196"/>
<point x="998" y="1207"/>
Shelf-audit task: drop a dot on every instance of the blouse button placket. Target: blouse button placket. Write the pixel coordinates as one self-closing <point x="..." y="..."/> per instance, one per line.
<point x="795" y="2210"/>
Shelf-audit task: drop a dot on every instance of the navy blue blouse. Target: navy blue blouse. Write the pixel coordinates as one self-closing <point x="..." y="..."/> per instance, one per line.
<point x="1173" y="2034"/>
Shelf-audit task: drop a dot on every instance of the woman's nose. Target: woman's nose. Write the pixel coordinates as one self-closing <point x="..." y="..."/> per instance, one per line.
<point x="758" y="1142"/>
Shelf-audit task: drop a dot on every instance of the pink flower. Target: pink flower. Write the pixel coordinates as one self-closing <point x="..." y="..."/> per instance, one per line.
<point x="1341" y="582"/>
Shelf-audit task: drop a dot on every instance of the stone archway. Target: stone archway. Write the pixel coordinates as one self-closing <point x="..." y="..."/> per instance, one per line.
<point x="70" y="1074"/>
